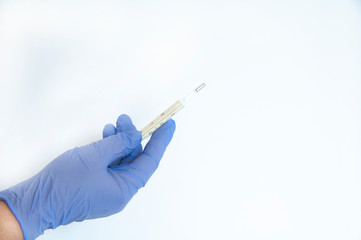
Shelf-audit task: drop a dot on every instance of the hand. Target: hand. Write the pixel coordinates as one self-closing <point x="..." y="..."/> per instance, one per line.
<point x="93" y="181"/>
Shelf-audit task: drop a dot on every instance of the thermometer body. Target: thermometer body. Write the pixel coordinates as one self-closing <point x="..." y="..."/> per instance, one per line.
<point x="167" y="114"/>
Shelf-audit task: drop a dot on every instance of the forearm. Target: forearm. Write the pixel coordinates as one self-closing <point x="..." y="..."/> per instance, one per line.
<point x="9" y="226"/>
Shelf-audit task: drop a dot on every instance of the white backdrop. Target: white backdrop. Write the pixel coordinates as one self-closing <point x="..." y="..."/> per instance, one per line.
<point x="270" y="149"/>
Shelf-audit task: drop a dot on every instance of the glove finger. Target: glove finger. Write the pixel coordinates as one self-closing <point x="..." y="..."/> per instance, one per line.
<point x="109" y="130"/>
<point x="133" y="155"/>
<point x="124" y="123"/>
<point x="127" y="159"/>
<point x="143" y="167"/>
<point x="119" y="145"/>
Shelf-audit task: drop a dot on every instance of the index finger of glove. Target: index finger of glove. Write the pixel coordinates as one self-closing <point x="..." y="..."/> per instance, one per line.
<point x="124" y="123"/>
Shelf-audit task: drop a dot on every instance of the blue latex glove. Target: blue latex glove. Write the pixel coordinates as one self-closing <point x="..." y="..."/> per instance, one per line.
<point x="93" y="181"/>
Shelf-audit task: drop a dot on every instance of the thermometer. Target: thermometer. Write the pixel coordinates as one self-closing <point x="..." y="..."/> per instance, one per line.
<point x="167" y="114"/>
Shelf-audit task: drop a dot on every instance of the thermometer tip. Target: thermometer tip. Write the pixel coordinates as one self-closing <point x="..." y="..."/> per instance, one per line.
<point x="200" y="87"/>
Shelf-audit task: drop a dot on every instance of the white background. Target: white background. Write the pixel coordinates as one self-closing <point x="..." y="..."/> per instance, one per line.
<point x="270" y="149"/>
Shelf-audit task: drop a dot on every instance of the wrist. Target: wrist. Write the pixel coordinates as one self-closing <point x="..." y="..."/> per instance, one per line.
<point x="9" y="226"/>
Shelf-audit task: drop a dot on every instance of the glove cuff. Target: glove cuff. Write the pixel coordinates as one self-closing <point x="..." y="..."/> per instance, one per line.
<point x="13" y="203"/>
<point x="22" y="200"/>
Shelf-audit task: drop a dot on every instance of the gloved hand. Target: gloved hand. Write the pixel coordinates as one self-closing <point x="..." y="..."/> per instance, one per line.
<point x="93" y="181"/>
